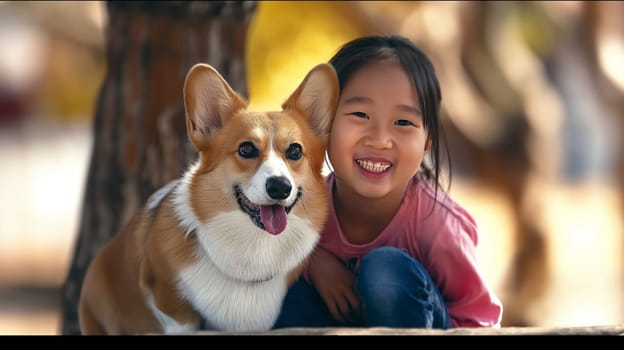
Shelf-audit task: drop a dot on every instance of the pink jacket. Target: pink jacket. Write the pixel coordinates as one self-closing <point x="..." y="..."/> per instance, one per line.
<point x="443" y="240"/>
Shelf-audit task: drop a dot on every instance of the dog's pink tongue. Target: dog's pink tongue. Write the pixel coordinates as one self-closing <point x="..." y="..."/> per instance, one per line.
<point x="274" y="218"/>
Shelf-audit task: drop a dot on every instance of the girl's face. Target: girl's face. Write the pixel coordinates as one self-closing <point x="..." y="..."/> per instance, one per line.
<point x="377" y="140"/>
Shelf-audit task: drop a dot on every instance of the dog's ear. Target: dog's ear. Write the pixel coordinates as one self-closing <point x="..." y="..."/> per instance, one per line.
<point x="208" y="102"/>
<point x="317" y="98"/>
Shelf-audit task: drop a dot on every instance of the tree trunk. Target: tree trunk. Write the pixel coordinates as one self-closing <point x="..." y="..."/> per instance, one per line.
<point x="140" y="140"/>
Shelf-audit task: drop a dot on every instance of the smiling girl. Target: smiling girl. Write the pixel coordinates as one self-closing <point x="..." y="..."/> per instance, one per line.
<point x="396" y="251"/>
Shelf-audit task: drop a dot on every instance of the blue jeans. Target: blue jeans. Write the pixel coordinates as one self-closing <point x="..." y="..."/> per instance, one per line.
<point x="395" y="290"/>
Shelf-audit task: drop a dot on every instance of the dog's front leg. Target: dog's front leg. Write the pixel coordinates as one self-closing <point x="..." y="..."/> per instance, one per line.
<point x="167" y="306"/>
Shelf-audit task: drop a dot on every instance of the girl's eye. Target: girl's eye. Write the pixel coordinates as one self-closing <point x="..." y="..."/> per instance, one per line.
<point x="403" y="122"/>
<point x="247" y="150"/>
<point x="359" y="115"/>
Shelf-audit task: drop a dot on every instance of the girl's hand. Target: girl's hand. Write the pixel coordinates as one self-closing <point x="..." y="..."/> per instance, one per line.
<point x="334" y="282"/>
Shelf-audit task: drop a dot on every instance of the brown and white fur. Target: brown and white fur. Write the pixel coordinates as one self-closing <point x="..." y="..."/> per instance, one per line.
<point x="222" y="243"/>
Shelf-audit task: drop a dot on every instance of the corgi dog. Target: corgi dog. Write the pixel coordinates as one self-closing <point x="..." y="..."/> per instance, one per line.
<point x="219" y="247"/>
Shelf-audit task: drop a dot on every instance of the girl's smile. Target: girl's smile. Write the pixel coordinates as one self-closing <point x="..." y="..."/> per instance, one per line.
<point x="373" y="169"/>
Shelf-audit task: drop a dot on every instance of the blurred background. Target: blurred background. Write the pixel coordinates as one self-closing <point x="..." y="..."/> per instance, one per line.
<point x="532" y="103"/>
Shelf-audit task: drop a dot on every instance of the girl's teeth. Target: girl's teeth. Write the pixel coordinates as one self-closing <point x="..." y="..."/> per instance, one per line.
<point x="375" y="167"/>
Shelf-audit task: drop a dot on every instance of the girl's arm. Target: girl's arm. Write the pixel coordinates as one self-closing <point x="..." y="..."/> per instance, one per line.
<point x="453" y="263"/>
<point x="335" y="284"/>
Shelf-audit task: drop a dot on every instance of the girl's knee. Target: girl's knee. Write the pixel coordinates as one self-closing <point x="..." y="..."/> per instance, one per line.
<point x="386" y="269"/>
<point x="389" y="263"/>
<point x="383" y="258"/>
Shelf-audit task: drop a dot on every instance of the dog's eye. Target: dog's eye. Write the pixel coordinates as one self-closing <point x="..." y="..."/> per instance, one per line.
<point x="294" y="151"/>
<point x="247" y="150"/>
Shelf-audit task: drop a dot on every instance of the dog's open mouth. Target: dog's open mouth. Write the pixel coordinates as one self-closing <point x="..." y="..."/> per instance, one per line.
<point x="271" y="218"/>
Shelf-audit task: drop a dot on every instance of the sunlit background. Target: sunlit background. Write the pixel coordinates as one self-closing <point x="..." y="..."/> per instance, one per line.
<point x="528" y="56"/>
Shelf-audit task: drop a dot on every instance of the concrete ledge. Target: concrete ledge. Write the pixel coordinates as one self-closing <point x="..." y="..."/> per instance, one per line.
<point x="591" y="330"/>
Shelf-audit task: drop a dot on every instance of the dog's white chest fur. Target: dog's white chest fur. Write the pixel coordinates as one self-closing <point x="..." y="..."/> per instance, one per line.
<point x="239" y="279"/>
<point x="230" y="304"/>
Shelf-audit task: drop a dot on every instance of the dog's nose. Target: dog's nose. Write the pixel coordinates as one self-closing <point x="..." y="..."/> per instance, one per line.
<point x="278" y="187"/>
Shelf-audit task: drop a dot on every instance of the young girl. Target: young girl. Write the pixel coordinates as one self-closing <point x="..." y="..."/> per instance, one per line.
<point x="396" y="251"/>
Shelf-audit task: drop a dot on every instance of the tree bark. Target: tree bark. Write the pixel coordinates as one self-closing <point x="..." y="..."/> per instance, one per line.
<point x="140" y="140"/>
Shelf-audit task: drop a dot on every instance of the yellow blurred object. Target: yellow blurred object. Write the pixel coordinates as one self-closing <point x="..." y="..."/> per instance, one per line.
<point x="73" y="78"/>
<point x="287" y="38"/>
